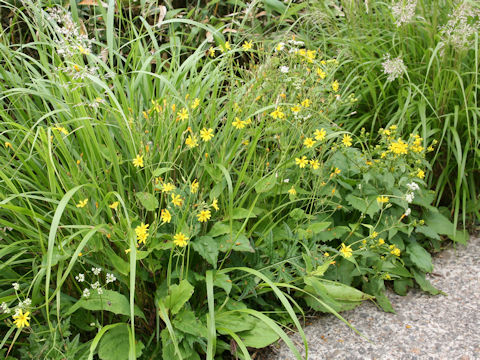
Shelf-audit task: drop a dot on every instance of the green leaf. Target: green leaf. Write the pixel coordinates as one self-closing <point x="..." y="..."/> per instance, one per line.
<point x="118" y="263"/>
<point x="260" y="336"/>
<point x="179" y="295"/>
<point x="186" y="322"/>
<point x="420" y="257"/>
<point x="336" y="290"/>
<point x="110" y="300"/>
<point x="158" y="172"/>
<point x="223" y="281"/>
<point x="424" y="284"/>
<point x="317" y="227"/>
<point x="428" y="232"/>
<point x="265" y="184"/>
<point x="219" y="229"/>
<point x="115" y="345"/>
<point x="241" y="213"/>
<point x="207" y="247"/>
<point x="148" y="201"/>
<point x="226" y="242"/>
<point x="363" y="205"/>
<point x="235" y="321"/>
<point x="401" y="286"/>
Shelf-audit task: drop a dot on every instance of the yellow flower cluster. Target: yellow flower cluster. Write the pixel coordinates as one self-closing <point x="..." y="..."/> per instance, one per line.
<point x="346" y="251"/>
<point x="142" y="233"/>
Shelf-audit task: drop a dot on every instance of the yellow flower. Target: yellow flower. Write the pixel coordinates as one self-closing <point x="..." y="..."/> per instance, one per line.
<point x="292" y="191"/>
<point x="420" y="174"/>
<point x="306" y="103"/>
<point x="165" y="216"/>
<point x="346" y="251"/>
<point x="21" y="319"/>
<point x="399" y="147"/>
<point x="113" y="205"/>
<point x="142" y="233"/>
<point x="301" y="162"/>
<point x="138" y="161"/>
<point x="326" y="254"/>
<point x="373" y="235"/>
<point x="82" y="203"/>
<point x="238" y="124"/>
<point x="279" y="46"/>
<point x="183" y="114"/>
<point x="320" y="134"/>
<point x="8" y="145"/>
<point x="347" y="140"/>
<point x="382" y="199"/>
<point x="206" y="134"/>
<point x="166" y="188"/>
<point x="211" y="51"/>
<point x="83" y="51"/>
<point x="322" y="74"/>
<point x="177" y="200"/>
<point x="195" y="104"/>
<point x="225" y="47"/>
<point x="204" y="215"/>
<point x="180" y="240"/>
<point x="215" y="204"/>
<point x="277" y="114"/>
<point x="191" y="141"/>
<point x="395" y="251"/>
<point x="61" y="129"/>
<point x="381" y="241"/>
<point x="335" y="86"/>
<point x="247" y="45"/>
<point x="194" y="186"/>
<point x="309" y="142"/>
<point x="296" y="108"/>
<point x="314" y="164"/>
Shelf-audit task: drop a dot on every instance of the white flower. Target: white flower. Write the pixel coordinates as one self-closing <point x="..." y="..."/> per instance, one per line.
<point x="86" y="293"/>
<point x="4" y="308"/>
<point x="393" y="67"/>
<point x="293" y="50"/>
<point x="407" y="212"/>
<point x="111" y="278"/>
<point x="286" y="181"/>
<point x="80" y="277"/>
<point x="95" y="285"/>
<point x="27" y="302"/>
<point x="96" y="271"/>
<point x="100" y="291"/>
<point x="404" y="11"/>
<point x="20" y="304"/>
<point x="16" y="286"/>
<point x="413" y="186"/>
<point x="284" y="69"/>
<point x="409" y="197"/>
<point x="17" y="311"/>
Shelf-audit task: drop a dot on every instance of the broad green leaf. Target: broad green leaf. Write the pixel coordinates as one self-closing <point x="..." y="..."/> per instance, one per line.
<point x="425" y="285"/>
<point x="240" y="243"/>
<point x="336" y="290"/>
<point x="420" y="257"/>
<point x="158" y="172"/>
<point x="148" y="201"/>
<point x="179" y="295"/>
<point x="317" y="227"/>
<point x="265" y="184"/>
<point x="207" y="247"/>
<point x="241" y="213"/>
<point x="235" y="321"/>
<point x="114" y="344"/>
<point x="109" y="300"/>
<point x="401" y="286"/>
<point x="223" y="281"/>
<point x="427" y="231"/>
<point x="218" y="229"/>
<point x="260" y="336"/>
<point x="186" y="322"/>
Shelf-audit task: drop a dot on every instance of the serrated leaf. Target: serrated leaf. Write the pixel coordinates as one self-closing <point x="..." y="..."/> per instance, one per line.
<point x="237" y="243"/>
<point x="420" y="257"/>
<point x="219" y="229"/>
<point x="148" y="201"/>
<point x="207" y="247"/>
<point x="223" y="281"/>
<point x="187" y="322"/>
<point x="317" y="227"/>
<point x="179" y="295"/>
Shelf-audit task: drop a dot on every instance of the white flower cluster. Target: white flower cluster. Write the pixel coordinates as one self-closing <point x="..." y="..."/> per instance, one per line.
<point x="462" y="25"/>
<point x="409" y="196"/>
<point x="109" y="278"/>
<point x="284" y="69"/>
<point x="4" y="307"/>
<point x="393" y="67"/>
<point x="403" y="11"/>
<point x="72" y="41"/>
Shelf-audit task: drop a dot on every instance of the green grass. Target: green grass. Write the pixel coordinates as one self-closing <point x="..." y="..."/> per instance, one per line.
<point x="285" y="238"/>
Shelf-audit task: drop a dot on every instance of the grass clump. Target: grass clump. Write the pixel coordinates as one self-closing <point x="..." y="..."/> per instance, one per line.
<point x="190" y="198"/>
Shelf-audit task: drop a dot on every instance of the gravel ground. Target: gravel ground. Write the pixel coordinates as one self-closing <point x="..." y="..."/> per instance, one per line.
<point x="424" y="327"/>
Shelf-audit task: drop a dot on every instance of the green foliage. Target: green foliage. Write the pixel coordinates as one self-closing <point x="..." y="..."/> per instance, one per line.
<point x="180" y="189"/>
